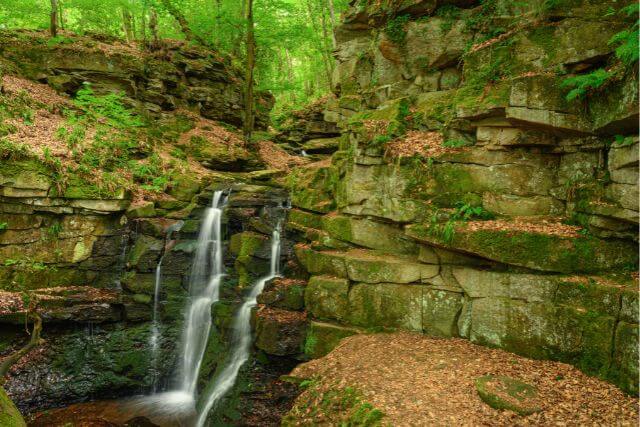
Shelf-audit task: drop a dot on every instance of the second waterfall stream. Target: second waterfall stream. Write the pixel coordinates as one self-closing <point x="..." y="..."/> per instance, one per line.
<point x="242" y="338"/>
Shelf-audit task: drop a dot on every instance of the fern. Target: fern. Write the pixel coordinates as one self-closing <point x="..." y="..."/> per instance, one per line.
<point x="628" y="50"/>
<point x="581" y="85"/>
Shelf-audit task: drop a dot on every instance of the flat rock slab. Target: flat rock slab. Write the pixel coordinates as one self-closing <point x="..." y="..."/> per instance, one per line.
<point x="502" y="392"/>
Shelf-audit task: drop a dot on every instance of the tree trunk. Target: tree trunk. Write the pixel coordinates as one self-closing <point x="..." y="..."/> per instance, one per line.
<point x="34" y="341"/>
<point x="53" y="23"/>
<point x="182" y="21"/>
<point x="153" y="27"/>
<point x="325" y="33"/>
<point x="332" y="17"/>
<point x="60" y="15"/>
<point x="322" y="49"/>
<point x="126" y="25"/>
<point x="290" y="72"/>
<point x="251" y="61"/>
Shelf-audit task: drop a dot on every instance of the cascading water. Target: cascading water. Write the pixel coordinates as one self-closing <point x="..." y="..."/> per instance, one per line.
<point x="242" y="337"/>
<point x="177" y="407"/>
<point x="154" y="340"/>
<point x="204" y="290"/>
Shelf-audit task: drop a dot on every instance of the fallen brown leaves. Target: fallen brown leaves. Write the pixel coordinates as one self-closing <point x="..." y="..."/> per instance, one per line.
<point x="281" y="316"/>
<point x="276" y="158"/>
<point x="421" y="381"/>
<point x="37" y="91"/>
<point x="548" y="226"/>
<point x="426" y="144"/>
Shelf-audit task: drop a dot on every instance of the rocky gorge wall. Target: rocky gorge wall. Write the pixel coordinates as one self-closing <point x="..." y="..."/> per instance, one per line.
<point x="468" y="196"/>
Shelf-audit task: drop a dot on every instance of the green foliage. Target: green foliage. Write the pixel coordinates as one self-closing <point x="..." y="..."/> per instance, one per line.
<point x="622" y="141"/>
<point x="455" y="143"/>
<point x="59" y="40"/>
<point x="3" y="226"/>
<point x="395" y="29"/>
<point x="627" y="52"/>
<point x="109" y="107"/>
<point x="466" y="212"/>
<point x="627" y="41"/>
<point x="583" y="84"/>
<point x="10" y="150"/>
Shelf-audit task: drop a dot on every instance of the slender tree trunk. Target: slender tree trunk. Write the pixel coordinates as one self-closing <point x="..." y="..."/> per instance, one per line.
<point x="325" y="33"/>
<point x="290" y="72"/>
<point x="53" y="23"/>
<point x="332" y="16"/>
<point x="218" y="20"/>
<point x="322" y="49"/>
<point x="143" y="22"/>
<point x="126" y="24"/>
<point x="153" y="28"/>
<point x="182" y="21"/>
<point x="251" y="61"/>
<point x="60" y="15"/>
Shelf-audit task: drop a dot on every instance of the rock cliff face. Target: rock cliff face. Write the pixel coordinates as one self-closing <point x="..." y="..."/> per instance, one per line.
<point x="469" y="198"/>
<point x="163" y="80"/>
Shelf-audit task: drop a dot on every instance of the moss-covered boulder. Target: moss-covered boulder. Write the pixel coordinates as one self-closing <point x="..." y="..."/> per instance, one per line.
<point x="386" y="306"/>
<point x="9" y="414"/>
<point x="283" y="293"/>
<point x="502" y="392"/>
<point x="323" y="337"/>
<point x="280" y="332"/>
<point x="327" y="297"/>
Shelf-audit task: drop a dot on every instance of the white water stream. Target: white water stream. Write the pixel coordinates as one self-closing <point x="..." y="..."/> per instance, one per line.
<point x="242" y="337"/>
<point x="204" y="289"/>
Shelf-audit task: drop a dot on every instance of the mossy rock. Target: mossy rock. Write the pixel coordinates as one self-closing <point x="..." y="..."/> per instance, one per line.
<point x="327" y="297"/>
<point x="323" y="337"/>
<point x="9" y="414"/>
<point x="502" y="392"/>
<point x="144" y="210"/>
<point x="538" y="251"/>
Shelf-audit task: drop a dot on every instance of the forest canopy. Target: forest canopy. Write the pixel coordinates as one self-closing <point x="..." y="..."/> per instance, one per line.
<point x="294" y="38"/>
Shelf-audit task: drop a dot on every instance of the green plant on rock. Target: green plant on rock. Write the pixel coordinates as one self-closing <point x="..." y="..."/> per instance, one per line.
<point x="584" y="84"/>
<point x="627" y="53"/>
<point x="627" y="41"/>
<point x="455" y="143"/>
<point x="623" y="141"/>
<point x="10" y="150"/>
<point x="3" y="226"/>
<point x="395" y="29"/>
<point x="109" y="107"/>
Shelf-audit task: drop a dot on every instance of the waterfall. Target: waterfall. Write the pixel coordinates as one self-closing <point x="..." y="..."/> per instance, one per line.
<point x="154" y="340"/>
<point x="242" y="338"/>
<point x="204" y="289"/>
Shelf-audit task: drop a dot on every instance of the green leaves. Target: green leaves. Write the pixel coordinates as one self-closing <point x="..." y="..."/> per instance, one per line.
<point x="395" y="29"/>
<point x="628" y="50"/>
<point x="581" y="85"/>
<point x="109" y="107"/>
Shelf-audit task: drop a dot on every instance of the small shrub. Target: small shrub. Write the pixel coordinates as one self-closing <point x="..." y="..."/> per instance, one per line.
<point x="395" y="29"/>
<point x="455" y="143"/>
<point x="622" y="141"/>
<point x="109" y="107"/>
<point x="13" y="151"/>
